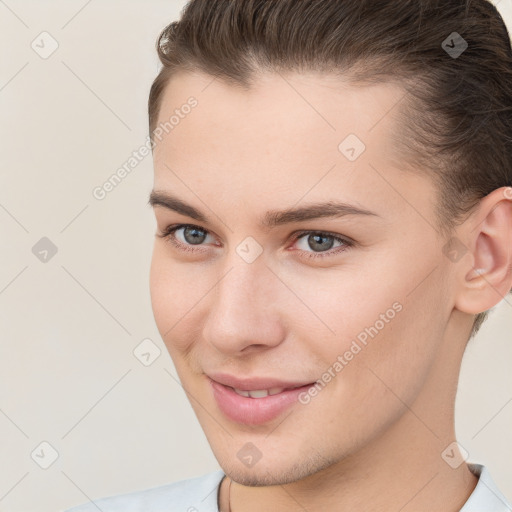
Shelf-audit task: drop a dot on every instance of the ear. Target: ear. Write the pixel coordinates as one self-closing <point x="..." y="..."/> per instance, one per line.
<point x="486" y="276"/>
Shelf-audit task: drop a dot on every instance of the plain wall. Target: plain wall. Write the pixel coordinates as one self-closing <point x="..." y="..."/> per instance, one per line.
<point x="69" y="325"/>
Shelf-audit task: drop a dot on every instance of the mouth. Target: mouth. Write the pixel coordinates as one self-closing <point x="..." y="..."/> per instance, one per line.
<point x="253" y="403"/>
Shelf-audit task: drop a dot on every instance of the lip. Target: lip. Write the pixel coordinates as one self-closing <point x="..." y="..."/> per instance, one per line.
<point x="254" y="411"/>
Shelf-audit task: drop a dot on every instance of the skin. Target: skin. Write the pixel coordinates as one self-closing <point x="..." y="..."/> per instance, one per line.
<point x="373" y="437"/>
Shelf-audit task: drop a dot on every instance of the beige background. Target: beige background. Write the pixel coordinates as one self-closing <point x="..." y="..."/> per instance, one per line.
<point x="69" y="326"/>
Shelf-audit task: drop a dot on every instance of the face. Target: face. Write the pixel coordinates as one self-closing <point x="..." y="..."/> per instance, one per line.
<point x="344" y="311"/>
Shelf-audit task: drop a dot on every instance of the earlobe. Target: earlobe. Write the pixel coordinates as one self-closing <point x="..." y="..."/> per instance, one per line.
<point x="487" y="277"/>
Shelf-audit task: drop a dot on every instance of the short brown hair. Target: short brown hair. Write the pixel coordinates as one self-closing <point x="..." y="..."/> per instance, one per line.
<point x="457" y="118"/>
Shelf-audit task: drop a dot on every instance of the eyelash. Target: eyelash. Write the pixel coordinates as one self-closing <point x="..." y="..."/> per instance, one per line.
<point x="168" y="235"/>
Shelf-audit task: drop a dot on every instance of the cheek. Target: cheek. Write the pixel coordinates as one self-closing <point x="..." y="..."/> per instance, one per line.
<point x="383" y="326"/>
<point x="345" y="305"/>
<point x="159" y="286"/>
<point x="396" y="349"/>
<point x="169" y="293"/>
<point x="178" y="296"/>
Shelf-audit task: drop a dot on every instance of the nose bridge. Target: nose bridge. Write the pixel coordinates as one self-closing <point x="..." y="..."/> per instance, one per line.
<point x="242" y="309"/>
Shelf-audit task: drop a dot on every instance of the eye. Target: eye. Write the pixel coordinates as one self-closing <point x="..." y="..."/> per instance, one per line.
<point x="321" y="243"/>
<point x="190" y="237"/>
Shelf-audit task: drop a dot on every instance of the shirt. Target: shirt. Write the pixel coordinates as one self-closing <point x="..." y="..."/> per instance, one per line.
<point x="200" y="495"/>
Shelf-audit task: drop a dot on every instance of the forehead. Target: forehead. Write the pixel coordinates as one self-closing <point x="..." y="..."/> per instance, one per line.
<point x="288" y="133"/>
<point x="315" y="105"/>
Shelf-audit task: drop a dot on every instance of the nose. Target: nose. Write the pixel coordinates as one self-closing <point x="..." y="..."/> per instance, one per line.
<point x="243" y="313"/>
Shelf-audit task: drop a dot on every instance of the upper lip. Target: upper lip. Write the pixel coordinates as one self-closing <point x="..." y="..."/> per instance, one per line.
<point x="254" y="383"/>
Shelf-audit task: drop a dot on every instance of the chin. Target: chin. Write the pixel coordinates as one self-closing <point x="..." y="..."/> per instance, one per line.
<point x="274" y="472"/>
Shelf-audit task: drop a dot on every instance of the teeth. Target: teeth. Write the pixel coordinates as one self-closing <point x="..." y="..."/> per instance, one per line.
<point x="243" y="393"/>
<point x="259" y="393"/>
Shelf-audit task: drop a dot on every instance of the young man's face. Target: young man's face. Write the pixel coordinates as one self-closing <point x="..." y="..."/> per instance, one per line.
<point x="250" y="302"/>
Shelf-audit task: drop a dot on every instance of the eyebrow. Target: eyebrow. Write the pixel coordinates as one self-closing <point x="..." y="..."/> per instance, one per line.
<point x="271" y="218"/>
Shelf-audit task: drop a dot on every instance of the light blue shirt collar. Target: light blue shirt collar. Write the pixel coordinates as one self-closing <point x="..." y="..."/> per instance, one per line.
<point x="486" y="497"/>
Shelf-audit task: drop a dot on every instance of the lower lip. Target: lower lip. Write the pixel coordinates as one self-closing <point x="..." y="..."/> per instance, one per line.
<point x="254" y="411"/>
